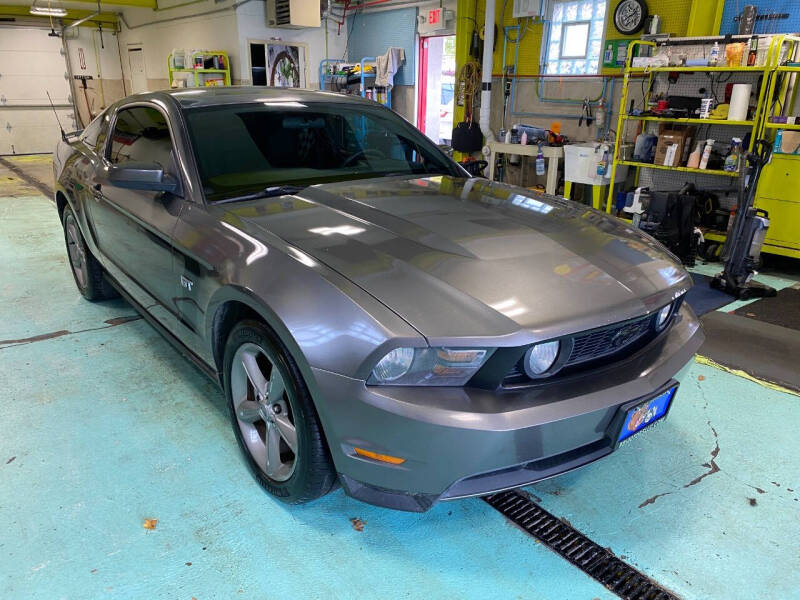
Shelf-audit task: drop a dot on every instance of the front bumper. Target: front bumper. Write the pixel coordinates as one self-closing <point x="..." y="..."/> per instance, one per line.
<point x="460" y="442"/>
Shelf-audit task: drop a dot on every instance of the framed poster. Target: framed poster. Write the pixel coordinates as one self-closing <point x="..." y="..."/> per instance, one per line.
<point x="286" y="64"/>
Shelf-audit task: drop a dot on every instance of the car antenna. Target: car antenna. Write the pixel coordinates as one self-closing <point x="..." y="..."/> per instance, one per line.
<point x="63" y="135"/>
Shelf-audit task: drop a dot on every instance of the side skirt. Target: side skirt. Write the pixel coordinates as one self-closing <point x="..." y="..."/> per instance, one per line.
<point x="207" y="370"/>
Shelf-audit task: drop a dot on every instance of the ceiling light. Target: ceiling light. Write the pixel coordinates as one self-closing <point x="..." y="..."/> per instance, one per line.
<point x="48" y="11"/>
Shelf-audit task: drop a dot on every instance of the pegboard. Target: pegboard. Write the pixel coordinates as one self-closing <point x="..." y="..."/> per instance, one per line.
<point x="734" y="7"/>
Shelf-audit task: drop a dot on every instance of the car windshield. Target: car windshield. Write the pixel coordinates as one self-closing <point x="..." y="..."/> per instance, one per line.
<point x="244" y="148"/>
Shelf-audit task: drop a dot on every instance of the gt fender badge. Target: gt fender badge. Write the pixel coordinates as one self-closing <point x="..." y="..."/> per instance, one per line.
<point x="186" y="283"/>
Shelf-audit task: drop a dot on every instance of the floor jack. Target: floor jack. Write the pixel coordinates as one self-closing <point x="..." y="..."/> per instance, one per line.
<point x="742" y="251"/>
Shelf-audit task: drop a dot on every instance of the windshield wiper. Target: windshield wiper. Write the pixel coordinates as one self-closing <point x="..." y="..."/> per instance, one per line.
<point x="267" y="192"/>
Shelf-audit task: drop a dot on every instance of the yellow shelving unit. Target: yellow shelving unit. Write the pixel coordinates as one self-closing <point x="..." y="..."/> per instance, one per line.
<point x="650" y="72"/>
<point x="197" y="79"/>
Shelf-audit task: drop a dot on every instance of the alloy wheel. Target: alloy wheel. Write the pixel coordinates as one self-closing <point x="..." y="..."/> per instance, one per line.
<point x="263" y="412"/>
<point x="76" y="251"/>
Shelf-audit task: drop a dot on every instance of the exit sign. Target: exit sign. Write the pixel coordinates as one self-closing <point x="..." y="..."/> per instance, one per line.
<point x="435" y="16"/>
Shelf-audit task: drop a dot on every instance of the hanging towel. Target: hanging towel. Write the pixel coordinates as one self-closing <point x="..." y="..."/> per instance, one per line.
<point x="388" y="65"/>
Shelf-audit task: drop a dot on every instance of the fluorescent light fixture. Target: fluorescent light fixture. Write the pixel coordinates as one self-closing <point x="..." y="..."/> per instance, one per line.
<point x="48" y="11"/>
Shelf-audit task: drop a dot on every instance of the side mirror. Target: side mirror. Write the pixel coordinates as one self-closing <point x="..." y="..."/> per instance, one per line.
<point x="142" y="176"/>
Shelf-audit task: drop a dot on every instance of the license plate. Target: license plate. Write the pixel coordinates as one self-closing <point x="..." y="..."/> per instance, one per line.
<point x="646" y="413"/>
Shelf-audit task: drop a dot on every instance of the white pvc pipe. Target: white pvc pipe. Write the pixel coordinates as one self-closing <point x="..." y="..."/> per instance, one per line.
<point x="486" y="70"/>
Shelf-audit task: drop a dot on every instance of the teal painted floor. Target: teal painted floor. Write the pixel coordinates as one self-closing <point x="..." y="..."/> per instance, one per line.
<point x="104" y="426"/>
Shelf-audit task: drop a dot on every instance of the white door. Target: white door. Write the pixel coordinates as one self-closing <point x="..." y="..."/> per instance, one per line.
<point x="31" y="64"/>
<point x="138" y="75"/>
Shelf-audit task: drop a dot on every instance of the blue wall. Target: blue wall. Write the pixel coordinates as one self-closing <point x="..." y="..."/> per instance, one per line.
<point x="372" y="34"/>
<point x="790" y="25"/>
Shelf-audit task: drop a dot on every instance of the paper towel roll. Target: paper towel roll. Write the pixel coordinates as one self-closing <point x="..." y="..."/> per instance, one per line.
<point x="740" y="102"/>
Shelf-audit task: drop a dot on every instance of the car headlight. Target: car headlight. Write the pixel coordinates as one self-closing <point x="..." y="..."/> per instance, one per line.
<point x="428" y="366"/>
<point x="540" y="357"/>
<point x="663" y="316"/>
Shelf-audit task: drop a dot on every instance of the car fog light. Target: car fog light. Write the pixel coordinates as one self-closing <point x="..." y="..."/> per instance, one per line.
<point x="540" y="358"/>
<point x="663" y="315"/>
<point x="394" y="365"/>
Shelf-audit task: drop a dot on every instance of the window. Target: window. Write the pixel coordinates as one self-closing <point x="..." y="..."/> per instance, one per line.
<point x="89" y="135"/>
<point x="245" y="148"/>
<point x="575" y="38"/>
<point x="141" y="135"/>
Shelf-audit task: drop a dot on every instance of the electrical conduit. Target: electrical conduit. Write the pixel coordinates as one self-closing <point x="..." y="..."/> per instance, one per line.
<point x="486" y="70"/>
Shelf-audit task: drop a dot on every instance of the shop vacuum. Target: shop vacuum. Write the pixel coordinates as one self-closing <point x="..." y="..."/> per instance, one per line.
<point x="742" y="251"/>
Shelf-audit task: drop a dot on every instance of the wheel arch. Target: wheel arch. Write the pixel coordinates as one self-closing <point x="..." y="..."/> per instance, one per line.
<point x="232" y="304"/>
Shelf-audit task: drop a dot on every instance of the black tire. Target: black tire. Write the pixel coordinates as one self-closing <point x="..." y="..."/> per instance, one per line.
<point x="91" y="280"/>
<point x="313" y="474"/>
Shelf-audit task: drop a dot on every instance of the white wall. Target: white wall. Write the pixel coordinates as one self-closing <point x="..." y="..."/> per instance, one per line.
<point x="200" y="31"/>
<point x="252" y="26"/>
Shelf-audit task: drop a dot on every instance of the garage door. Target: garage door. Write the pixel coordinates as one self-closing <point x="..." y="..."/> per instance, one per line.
<point x="31" y="64"/>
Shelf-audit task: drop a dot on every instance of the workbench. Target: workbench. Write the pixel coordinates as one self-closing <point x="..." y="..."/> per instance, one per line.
<point x="551" y="153"/>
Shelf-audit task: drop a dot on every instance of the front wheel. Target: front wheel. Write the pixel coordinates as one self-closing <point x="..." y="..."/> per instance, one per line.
<point x="273" y="417"/>
<point x="86" y="270"/>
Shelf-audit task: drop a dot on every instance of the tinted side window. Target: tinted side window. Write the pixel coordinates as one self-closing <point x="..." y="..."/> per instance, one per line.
<point x="103" y="133"/>
<point x="141" y="135"/>
<point x="89" y="135"/>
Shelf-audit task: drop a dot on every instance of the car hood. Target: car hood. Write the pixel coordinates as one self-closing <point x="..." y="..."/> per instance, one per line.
<point x="466" y="258"/>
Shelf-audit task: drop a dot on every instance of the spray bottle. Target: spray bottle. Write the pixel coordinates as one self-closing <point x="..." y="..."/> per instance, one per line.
<point x="694" y="157"/>
<point x="706" y="154"/>
<point x="540" y="161"/>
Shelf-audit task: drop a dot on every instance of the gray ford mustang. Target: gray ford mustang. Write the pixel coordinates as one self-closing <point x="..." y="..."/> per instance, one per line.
<point x="376" y="318"/>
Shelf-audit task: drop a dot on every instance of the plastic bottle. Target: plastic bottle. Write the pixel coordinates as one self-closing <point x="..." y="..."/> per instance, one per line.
<point x="706" y="154"/>
<point x="694" y="157"/>
<point x="540" y="162"/>
<point x="714" y="58"/>
<point x="600" y="117"/>
<point x="602" y="166"/>
<point x="524" y="139"/>
<point x="778" y="142"/>
<point x="508" y="137"/>
<point x="706" y="106"/>
<point x="751" y="57"/>
<point x="732" y="160"/>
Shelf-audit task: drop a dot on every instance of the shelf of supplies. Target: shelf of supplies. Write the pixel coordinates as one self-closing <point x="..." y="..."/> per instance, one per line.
<point x="642" y="165"/>
<point x="697" y="69"/>
<point x="200" y="70"/>
<point x="785" y="126"/>
<point x="690" y="121"/>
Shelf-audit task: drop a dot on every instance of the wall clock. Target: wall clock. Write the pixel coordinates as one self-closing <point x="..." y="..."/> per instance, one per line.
<point x="630" y="15"/>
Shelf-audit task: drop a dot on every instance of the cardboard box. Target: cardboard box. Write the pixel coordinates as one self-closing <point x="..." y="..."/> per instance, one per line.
<point x="672" y="136"/>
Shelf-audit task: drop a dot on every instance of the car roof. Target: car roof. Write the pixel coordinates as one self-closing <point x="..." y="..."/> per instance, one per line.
<point x="215" y="96"/>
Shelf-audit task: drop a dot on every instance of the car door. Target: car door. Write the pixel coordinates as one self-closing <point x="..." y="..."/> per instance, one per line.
<point x="133" y="228"/>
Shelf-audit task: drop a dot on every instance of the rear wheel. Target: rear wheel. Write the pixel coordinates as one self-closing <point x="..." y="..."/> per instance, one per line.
<point x="273" y="417"/>
<point x="87" y="272"/>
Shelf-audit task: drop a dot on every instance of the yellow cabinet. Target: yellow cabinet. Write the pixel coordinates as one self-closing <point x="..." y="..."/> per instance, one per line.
<point x="779" y="194"/>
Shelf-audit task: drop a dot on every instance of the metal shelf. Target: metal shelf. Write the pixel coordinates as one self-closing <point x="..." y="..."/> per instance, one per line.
<point x="690" y="121"/>
<point x="642" y="165"/>
<point x="785" y="126"/>
<point x="641" y="70"/>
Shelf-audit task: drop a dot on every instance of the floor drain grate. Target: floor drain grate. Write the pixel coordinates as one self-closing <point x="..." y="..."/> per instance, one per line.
<point x="596" y="561"/>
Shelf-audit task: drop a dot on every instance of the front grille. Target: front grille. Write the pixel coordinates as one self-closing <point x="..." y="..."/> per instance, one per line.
<point x="613" y="342"/>
<point x="597" y="344"/>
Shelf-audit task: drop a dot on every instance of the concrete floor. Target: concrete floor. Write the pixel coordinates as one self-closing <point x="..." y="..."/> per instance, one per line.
<point x="104" y="425"/>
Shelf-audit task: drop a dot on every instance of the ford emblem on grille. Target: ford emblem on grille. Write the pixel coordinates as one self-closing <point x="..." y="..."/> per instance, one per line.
<point x="625" y="335"/>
